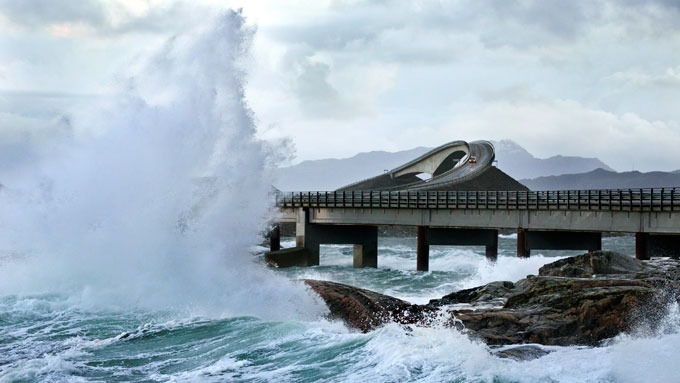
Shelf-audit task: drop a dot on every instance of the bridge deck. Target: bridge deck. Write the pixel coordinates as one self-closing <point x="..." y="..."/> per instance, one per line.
<point x="628" y="200"/>
<point x="543" y="219"/>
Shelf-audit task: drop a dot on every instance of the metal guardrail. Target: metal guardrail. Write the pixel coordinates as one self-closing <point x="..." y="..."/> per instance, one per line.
<point x="651" y="199"/>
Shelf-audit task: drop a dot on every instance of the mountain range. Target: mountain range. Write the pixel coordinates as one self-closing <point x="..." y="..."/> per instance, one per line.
<point x="553" y="173"/>
<point x="603" y="179"/>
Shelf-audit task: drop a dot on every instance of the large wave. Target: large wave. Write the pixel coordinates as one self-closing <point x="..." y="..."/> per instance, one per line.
<point x="159" y="194"/>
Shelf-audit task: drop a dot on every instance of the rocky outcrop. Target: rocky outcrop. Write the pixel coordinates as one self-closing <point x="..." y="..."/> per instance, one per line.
<point x="575" y="301"/>
<point x="365" y="309"/>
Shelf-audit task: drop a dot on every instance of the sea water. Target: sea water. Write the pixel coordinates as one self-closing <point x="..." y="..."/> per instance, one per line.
<point x="127" y="253"/>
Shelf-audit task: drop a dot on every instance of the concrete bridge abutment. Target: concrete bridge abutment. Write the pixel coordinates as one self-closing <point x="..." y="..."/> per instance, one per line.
<point x="310" y="236"/>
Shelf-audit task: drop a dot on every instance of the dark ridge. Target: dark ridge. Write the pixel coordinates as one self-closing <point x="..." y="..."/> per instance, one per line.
<point x="492" y="179"/>
<point x="604" y="179"/>
<point x="382" y="182"/>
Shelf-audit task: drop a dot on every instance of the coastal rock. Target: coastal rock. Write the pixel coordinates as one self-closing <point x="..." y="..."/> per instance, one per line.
<point x="520" y="353"/>
<point x="560" y="311"/>
<point x="365" y="309"/>
<point x="581" y="300"/>
<point x="595" y="263"/>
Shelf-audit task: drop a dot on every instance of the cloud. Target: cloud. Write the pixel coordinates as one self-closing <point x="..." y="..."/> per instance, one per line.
<point x="343" y="76"/>
<point x="550" y="126"/>
<point x="38" y="13"/>
<point x="428" y="72"/>
<point x="669" y="78"/>
<point x="64" y="18"/>
<point x="317" y="97"/>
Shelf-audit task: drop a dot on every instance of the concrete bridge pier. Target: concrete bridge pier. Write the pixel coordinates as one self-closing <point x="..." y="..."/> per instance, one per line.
<point x="642" y="246"/>
<point x="275" y="238"/>
<point x="523" y="249"/>
<point x="454" y="237"/>
<point x="423" y="249"/>
<point x="556" y="240"/>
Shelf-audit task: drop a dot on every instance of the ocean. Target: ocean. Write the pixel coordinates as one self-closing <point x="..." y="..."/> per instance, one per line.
<point x="128" y="253"/>
<point x="60" y="337"/>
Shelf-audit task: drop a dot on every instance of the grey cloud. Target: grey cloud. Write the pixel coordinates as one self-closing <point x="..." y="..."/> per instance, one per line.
<point x="364" y="26"/>
<point x="516" y="94"/>
<point x="373" y="32"/>
<point x="558" y="18"/>
<point x="669" y="4"/>
<point x="334" y="32"/>
<point x="98" y="15"/>
<point x="170" y="18"/>
<point x="657" y="19"/>
<point x="312" y="82"/>
<point x="670" y="78"/>
<point x="37" y="13"/>
<point x="430" y="32"/>
<point x="318" y="98"/>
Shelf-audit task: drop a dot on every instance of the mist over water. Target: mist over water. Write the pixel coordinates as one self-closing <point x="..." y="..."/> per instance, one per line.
<point x="159" y="194"/>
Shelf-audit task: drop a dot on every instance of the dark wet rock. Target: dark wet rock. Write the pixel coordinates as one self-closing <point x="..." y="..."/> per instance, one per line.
<point x="581" y="300"/>
<point x="595" y="263"/>
<point x="492" y="292"/>
<point x="521" y="353"/>
<point x="560" y="311"/>
<point x="365" y="309"/>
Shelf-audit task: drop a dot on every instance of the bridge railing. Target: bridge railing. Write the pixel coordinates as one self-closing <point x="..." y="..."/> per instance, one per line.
<point x="649" y="199"/>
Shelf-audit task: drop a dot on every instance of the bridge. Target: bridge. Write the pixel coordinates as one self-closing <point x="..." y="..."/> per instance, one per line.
<point x="543" y="220"/>
<point x="450" y="164"/>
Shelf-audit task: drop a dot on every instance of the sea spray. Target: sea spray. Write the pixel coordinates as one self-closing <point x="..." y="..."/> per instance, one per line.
<point x="158" y="197"/>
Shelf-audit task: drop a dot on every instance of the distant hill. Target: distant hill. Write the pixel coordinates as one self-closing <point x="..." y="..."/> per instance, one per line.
<point x="604" y="179"/>
<point x="330" y="174"/>
<point x="520" y="164"/>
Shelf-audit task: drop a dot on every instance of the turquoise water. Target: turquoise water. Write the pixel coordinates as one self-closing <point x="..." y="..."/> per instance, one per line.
<point x="59" y="338"/>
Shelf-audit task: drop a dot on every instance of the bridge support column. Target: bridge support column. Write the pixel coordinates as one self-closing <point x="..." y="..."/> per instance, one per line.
<point x="366" y="255"/>
<point x="301" y="222"/>
<point x="523" y="250"/>
<point x="491" y="250"/>
<point x="275" y="238"/>
<point x="642" y="246"/>
<point x="423" y="249"/>
<point x="305" y="238"/>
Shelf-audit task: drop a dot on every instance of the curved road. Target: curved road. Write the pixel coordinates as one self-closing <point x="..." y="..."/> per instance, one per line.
<point x="479" y="156"/>
<point x="483" y="153"/>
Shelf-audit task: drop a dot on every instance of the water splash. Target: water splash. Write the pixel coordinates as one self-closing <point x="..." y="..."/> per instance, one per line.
<point x="159" y="195"/>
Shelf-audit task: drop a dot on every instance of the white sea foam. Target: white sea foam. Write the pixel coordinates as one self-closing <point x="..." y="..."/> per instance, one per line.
<point x="506" y="269"/>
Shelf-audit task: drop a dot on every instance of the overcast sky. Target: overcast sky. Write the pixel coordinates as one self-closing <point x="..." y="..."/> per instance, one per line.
<point x="588" y="78"/>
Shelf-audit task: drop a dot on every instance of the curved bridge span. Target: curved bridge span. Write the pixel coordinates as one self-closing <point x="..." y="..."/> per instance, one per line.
<point x="450" y="164"/>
